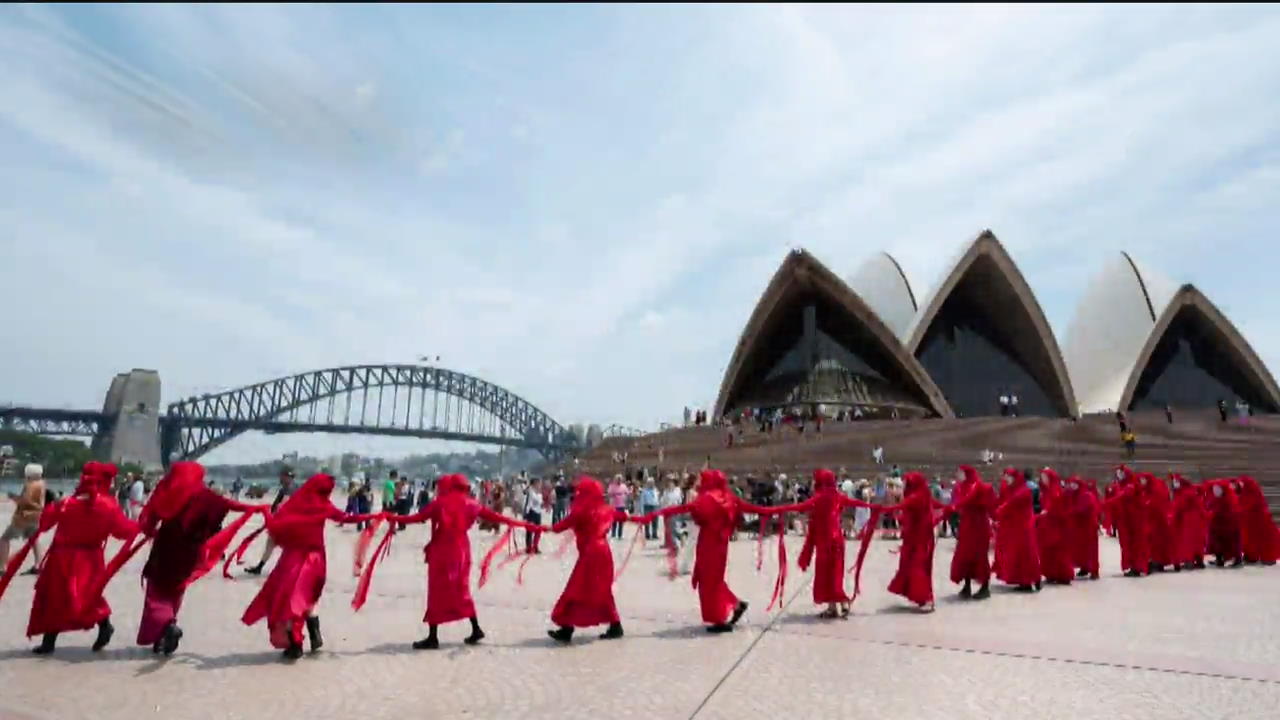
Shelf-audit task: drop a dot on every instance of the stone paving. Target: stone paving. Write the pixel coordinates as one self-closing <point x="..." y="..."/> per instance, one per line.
<point x="1189" y="645"/>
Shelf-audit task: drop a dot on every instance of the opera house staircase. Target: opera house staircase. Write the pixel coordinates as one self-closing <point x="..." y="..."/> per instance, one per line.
<point x="1197" y="445"/>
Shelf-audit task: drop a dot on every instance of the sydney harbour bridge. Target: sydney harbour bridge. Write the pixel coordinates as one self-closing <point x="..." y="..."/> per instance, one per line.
<point x="392" y="400"/>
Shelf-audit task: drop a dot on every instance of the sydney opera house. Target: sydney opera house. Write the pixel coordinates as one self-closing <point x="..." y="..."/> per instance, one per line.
<point x="1136" y="341"/>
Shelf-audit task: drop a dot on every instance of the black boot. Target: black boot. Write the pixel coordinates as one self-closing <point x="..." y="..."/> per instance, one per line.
<point x="169" y="641"/>
<point x="1237" y="562"/>
<point x="1039" y="584"/>
<point x="105" y="631"/>
<point x="313" y="631"/>
<point x="430" y="642"/>
<point x="293" y="652"/>
<point x="47" y="644"/>
<point x="613" y="633"/>
<point x="476" y="633"/>
<point x="738" y="612"/>
<point x="720" y="628"/>
<point x="966" y="592"/>
<point x="255" y="570"/>
<point x="1219" y="561"/>
<point x="1132" y="573"/>
<point x="983" y="593"/>
<point x="1082" y="573"/>
<point x="561" y="635"/>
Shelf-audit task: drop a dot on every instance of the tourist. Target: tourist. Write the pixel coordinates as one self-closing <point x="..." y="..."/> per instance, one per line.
<point x="1190" y="524"/>
<point x="1052" y="531"/>
<point x="389" y="491"/>
<point x="532" y="515"/>
<point x="975" y="502"/>
<point x="1130" y="441"/>
<point x="288" y="598"/>
<point x="497" y="504"/>
<point x="649" y="504"/>
<point x="687" y="550"/>
<point x="562" y="494"/>
<point x="914" y="579"/>
<point x="716" y="511"/>
<point x="587" y="599"/>
<point x="448" y="557"/>
<point x="618" y="496"/>
<point x="137" y="494"/>
<point x="84" y="522"/>
<point x="671" y="497"/>
<point x="286" y="489"/>
<point x="1017" y="556"/>
<point x="184" y="520"/>
<point x="25" y="522"/>
<point x="1083" y="527"/>
<point x="1260" y="540"/>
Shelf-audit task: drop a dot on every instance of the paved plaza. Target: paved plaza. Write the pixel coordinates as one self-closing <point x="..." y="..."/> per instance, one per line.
<point x="1189" y="645"/>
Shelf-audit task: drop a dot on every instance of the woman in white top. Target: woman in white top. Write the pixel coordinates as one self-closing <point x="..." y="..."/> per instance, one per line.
<point x="685" y="562"/>
<point x="671" y="497"/>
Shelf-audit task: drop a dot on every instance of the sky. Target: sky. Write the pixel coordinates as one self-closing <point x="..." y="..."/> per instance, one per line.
<point x="582" y="204"/>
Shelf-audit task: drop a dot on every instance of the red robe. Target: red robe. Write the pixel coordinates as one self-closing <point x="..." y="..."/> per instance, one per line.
<point x="1107" y="517"/>
<point x="295" y="584"/>
<point x="824" y="540"/>
<point x="587" y="599"/>
<point x="1160" y="533"/>
<point x="1083" y="529"/>
<point x="1189" y="523"/>
<point x="1224" y="521"/>
<point x="448" y="554"/>
<point x="975" y="502"/>
<point x="1258" y="534"/>
<point x="1127" y="508"/>
<point x="914" y="579"/>
<point x="74" y="561"/>
<point x="1018" y="556"/>
<point x="1052" y="531"/>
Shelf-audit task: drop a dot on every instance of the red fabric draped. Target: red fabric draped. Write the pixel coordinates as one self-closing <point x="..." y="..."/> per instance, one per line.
<point x="780" y="585"/>
<point x="1082" y="526"/>
<point x="1259" y="536"/>
<point x="587" y="598"/>
<point x="975" y="502"/>
<point x="1052" y="530"/>
<point x="215" y="547"/>
<point x="361" y="593"/>
<point x="824" y="544"/>
<point x="363" y="543"/>
<point x="1224" y="521"/>
<point x="914" y="579"/>
<point x="1017" y="554"/>
<point x="1190" y="522"/>
<point x="238" y="555"/>
<point x="864" y="544"/>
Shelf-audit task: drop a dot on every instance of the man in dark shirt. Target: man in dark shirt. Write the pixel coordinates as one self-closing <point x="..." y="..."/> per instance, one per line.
<point x="286" y="489"/>
<point x="563" y="493"/>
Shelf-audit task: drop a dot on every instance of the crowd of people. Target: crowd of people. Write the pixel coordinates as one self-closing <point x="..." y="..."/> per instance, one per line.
<point x="1003" y="533"/>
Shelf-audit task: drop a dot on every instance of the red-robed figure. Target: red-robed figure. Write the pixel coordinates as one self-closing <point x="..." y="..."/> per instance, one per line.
<point x="1017" y="555"/>
<point x="1258" y="533"/>
<point x="65" y="598"/>
<point x="1053" y="530"/>
<point x="914" y="579"/>
<point x="1224" y="524"/>
<point x="1189" y="524"/>
<point x="288" y="598"/>
<point x="587" y="599"/>
<point x="448" y="555"/>
<point x="1160" y="536"/>
<point x="1082" y="526"/>
<point x="975" y="501"/>
<point x="184" y="520"/>
<point x="824" y="542"/>
<point x="1127" y="507"/>
<point x="716" y="510"/>
<point x="1107" y="517"/>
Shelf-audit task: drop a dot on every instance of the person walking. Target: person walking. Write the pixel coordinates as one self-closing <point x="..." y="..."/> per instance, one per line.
<point x="532" y="514"/>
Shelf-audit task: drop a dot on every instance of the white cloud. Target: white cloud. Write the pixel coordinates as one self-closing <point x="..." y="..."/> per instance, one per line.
<point x="232" y="193"/>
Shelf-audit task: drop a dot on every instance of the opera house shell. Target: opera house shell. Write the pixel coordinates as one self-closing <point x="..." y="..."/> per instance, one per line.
<point x="1136" y="341"/>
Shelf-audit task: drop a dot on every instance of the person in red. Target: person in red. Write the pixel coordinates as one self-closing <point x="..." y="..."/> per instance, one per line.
<point x="288" y="598"/>
<point x="975" y="501"/>
<point x="1258" y="534"/>
<point x="914" y="579"/>
<point x="1224" y="524"/>
<point x="1081" y="500"/>
<point x="824" y="542"/>
<point x="1107" y="517"/>
<point x="587" y="599"/>
<point x="1017" y="555"/>
<point x="63" y="600"/>
<point x="1127" y="507"/>
<point x="1159" y="508"/>
<point x="1189" y="524"/>
<point x="717" y="511"/>
<point x="184" y="519"/>
<point x="448" y="556"/>
<point x="1052" y="530"/>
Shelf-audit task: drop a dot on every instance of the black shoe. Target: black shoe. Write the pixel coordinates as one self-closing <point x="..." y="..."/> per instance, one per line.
<point x="738" y="612"/>
<point x="47" y="644"/>
<point x="1131" y="573"/>
<point x="1236" y="563"/>
<point x="169" y="641"/>
<point x="430" y="642"/>
<point x="1039" y="585"/>
<point x="966" y="592"/>
<point x="293" y="652"/>
<point x="313" y="631"/>
<point x="255" y="570"/>
<point x="561" y="635"/>
<point x="1082" y="573"/>
<point x="32" y="571"/>
<point x="1219" y="561"/>
<point x="1177" y="568"/>
<point x="613" y="633"/>
<point x="105" y="631"/>
<point x="983" y="593"/>
<point x="1199" y="564"/>
<point x="720" y="628"/>
<point x="475" y="637"/>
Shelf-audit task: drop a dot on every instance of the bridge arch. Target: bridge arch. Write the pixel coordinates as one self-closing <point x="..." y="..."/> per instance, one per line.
<point x="475" y="410"/>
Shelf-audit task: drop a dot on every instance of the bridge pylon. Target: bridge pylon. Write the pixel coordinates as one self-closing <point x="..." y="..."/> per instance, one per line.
<point x="132" y="433"/>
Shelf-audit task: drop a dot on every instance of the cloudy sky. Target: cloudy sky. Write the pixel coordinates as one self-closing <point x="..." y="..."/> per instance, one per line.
<point x="582" y="204"/>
